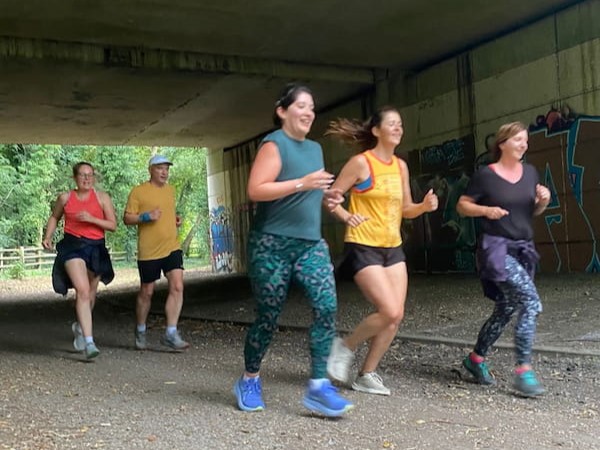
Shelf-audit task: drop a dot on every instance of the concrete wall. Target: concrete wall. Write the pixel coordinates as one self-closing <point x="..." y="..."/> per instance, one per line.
<point x="549" y="71"/>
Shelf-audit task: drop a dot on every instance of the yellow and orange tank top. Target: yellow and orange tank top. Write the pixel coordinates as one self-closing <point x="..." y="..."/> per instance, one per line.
<point x="379" y="198"/>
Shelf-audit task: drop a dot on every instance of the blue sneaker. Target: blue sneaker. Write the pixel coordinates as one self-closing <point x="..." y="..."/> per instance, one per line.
<point x="326" y="400"/>
<point x="528" y="385"/>
<point x="480" y="371"/>
<point x="249" y="394"/>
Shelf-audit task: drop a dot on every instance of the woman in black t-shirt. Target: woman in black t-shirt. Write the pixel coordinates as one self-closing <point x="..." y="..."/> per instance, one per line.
<point x="505" y="196"/>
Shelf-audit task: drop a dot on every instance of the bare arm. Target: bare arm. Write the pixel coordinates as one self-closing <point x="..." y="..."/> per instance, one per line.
<point x="411" y="210"/>
<point x="542" y="198"/>
<point x="354" y="171"/>
<point x="466" y="206"/>
<point x="262" y="186"/>
<point x="57" y="213"/>
<point x="110" y="218"/>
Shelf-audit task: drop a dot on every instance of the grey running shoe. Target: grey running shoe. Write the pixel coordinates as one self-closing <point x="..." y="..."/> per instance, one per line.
<point x="340" y="361"/>
<point x="78" y="339"/>
<point x="91" y="351"/>
<point x="174" y="341"/>
<point x="140" y="340"/>
<point x="528" y="385"/>
<point x="371" y="383"/>
<point x="479" y="371"/>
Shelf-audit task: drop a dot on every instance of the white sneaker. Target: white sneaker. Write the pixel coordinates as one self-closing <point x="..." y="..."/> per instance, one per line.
<point x="78" y="339"/>
<point x="371" y="383"/>
<point x="340" y="361"/>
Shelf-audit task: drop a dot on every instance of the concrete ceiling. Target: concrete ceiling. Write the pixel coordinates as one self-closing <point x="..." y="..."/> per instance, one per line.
<point x="206" y="73"/>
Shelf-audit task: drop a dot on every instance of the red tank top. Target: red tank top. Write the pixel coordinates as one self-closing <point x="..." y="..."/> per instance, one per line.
<point x="78" y="228"/>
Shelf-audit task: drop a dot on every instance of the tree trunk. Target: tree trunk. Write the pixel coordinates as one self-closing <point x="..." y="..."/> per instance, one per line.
<point x="185" y="246"/>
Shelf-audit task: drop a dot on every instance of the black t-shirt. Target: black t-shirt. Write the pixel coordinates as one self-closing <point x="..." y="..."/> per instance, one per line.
<point x="489" y="189"/>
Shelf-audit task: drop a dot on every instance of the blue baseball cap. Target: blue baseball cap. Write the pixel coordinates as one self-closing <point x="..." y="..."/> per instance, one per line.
<point x="159" y="159"/>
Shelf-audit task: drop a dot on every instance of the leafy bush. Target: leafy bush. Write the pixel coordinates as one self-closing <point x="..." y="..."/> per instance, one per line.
<point x="17" y="271"/>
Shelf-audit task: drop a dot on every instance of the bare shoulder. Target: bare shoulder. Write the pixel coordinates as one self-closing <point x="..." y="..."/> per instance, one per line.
<point x="269" y="149"/>
<point x="62" y="198"/>
<point x="402" y="163"/>
<point x="358" y="161"/>
<point x="103" y="196"/>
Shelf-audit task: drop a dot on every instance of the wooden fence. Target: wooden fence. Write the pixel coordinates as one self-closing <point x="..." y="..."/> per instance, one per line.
<point x="38" y="257"/>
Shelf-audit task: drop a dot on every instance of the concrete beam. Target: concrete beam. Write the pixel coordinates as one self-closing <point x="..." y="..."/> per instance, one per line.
<point x="157" y="59"/>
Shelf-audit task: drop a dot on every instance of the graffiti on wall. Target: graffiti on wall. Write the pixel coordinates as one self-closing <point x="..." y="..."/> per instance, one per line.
<point x="441" y="240"/>
<point x="564" y="148"/>
<point x="221" y="237"/>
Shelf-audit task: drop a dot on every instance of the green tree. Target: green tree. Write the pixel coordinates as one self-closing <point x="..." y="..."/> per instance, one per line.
<point x="188" y="176"/>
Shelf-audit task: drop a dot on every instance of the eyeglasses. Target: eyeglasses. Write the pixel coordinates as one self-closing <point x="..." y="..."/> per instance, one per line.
<point x="85" y="175"/>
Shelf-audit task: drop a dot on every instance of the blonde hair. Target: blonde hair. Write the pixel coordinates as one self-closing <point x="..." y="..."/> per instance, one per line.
<point x="504" y="133"/>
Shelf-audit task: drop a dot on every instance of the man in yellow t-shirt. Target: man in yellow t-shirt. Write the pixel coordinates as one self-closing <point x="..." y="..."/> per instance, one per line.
<point x="151" y="206"/>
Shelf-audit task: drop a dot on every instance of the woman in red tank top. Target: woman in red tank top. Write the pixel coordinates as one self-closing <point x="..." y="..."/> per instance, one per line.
<point x="82" y="259"/>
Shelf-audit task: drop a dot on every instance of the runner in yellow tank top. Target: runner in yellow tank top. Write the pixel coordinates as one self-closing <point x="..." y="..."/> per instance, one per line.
<point x="379" y="197"/>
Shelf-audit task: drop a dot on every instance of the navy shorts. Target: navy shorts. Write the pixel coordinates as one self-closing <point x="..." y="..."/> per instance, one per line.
<point x="84" y="252"/>
<point x="150" y="270"/>
<point x="357" y="256"/>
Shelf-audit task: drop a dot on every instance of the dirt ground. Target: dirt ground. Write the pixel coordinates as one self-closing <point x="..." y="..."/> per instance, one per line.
<point x="38" y="287"/>
<point x="51" y="398"/>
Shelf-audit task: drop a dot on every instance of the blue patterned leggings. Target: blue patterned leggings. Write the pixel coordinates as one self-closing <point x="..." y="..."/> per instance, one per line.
<point x="274" y="263"/>
<point x="519" y="296"/>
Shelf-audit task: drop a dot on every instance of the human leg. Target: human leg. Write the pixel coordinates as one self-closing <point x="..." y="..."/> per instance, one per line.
<point x="149" y="272"/>
<point x="171" y="338"/>
<point x="174" y="301"/>
<point x="375" y="285"/>
<point x="489" y="333"/>
<point x="269" y="270"/>
<point x="521" y="288"/>
<point x="368" y="380"/>
<point x="78" y="274"/>
<point x="143" y="303"/>
<point x="397" y="278"/>
<point x="313" y="271"/>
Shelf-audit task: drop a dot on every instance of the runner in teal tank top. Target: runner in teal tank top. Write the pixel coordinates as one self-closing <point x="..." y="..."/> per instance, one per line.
<point x="288" y="182"/>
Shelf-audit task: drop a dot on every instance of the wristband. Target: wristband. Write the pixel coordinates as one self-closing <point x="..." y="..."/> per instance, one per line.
<point x="145" y="217"/>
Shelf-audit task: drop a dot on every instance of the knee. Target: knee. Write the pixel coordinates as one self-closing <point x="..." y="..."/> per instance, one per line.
<point x="145" y="294"/>
<point x="326" y="311"/>
<point x="83" y="295"/>
<point x="393" y="317"/>
<point x="176" y="288"/>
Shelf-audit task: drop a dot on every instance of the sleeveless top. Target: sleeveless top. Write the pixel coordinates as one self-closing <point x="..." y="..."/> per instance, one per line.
<point x="379" y="198"/>
<point x="297" y="215"/>
<point x="77" y="228"/>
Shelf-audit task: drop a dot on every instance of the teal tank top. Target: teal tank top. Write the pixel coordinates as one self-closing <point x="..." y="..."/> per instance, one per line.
<point x="297" y="215"/>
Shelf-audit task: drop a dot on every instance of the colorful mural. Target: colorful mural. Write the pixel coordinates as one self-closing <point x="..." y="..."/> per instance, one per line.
<point x="563" y="146"/>
<point x="564" y="151"/>
<point x="221" y="237"/>
<point x="443" y="240"/>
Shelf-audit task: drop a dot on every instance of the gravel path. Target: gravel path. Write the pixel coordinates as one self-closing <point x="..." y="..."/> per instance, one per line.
<point x="51" y="398"/>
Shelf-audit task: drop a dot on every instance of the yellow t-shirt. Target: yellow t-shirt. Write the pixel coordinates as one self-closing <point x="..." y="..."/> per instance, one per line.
<point x="159" y="238"/>
<point x="380" y="199"/>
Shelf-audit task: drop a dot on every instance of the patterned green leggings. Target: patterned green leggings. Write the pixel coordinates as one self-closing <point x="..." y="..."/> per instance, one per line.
<point x="274" y="263"/>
